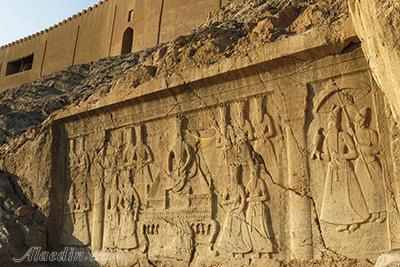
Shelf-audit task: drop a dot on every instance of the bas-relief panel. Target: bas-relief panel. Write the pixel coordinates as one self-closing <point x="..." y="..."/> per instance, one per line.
<point x="210" y="183"/>
<point x="198" y="183"/>
<point x="347" y="166"/>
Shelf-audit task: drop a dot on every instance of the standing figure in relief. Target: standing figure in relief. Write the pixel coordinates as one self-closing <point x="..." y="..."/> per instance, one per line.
<point x="264" y="132"/>
<point x="226" y="134"/>
<point x="343" y="203"/>
<point x="70" y="207"/>
<point x="368" y="167"/>
<point x="141" y="157"/>
<point x="242" y="152"/>
<point x="82" y="207"/>
<point x="69" y="217"/>
<point x="257" y="195"/>
<point x="180" y="163"/>
<point x="235" y="237"/>
<point x="225" y="138"/>
<point x="111" y="221"/>
<point x="129" y="209"/>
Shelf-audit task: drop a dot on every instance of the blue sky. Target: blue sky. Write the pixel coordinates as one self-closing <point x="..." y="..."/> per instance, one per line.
<point x="20" y="18"/>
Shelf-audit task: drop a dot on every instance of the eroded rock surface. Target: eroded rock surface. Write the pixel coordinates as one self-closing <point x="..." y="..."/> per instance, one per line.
<point x="258" y="139"/>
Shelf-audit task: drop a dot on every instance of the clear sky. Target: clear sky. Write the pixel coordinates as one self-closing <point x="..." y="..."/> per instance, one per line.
<point x="20" y="18"/>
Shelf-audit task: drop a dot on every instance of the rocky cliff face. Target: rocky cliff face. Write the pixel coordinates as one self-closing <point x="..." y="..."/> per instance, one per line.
<point x="27" y="112"/>
<point x="240" y="26"/>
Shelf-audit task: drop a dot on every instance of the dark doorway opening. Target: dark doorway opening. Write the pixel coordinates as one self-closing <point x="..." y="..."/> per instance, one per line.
<point x="127" y="41"/>
<point x="20" y="65"/>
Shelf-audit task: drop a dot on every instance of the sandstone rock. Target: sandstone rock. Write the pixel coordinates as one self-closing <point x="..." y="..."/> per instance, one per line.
<point x="259" y="139"/>
<point x="376" y="23"/>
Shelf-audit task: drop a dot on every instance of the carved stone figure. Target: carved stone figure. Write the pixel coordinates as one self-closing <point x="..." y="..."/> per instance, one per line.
<point x="69" y="218"/>
<point x="225" y="139"/>
<point x="111" y="222"/>
<point x="343" y="203"/>
<point x="78" y="201"/>
<point x="368" y="167"/>
<point x="242" y="152"/>
<point x="180" y="162"/>
<point x="235" y="237"/>
<point x="140" y="157"/>
<point x="256" y="217"/>
<point x="81" y="229"/>
<point x="264" y="131"/>
<point x="226" y="133"/>
<point x="128" y="204"/>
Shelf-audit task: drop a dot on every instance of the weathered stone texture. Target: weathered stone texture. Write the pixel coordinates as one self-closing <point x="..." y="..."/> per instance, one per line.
<point x="266" y="137"/>
<point x="377" y="23"/>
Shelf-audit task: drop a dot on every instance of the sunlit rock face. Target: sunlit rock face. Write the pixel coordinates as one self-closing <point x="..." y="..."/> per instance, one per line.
<point x="266" y="137"/>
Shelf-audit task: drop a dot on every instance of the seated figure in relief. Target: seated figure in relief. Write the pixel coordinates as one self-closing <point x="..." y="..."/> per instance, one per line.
<point x="181" y="166"/>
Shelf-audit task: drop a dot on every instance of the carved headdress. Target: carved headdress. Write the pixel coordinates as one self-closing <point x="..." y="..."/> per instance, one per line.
<point x="334" y="115"/>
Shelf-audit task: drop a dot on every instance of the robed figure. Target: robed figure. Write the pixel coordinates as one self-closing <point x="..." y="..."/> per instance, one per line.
<point x="343" y="203"/>
<point x="235" y="236"/>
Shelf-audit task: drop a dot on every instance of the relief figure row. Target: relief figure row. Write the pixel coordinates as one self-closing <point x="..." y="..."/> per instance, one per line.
<point x="354" y="188"/>
<point x="245" y="227"/>
<point x="118" y="203"/>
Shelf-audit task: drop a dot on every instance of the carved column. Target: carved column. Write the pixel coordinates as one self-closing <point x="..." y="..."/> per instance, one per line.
<point x="300" y="232"/>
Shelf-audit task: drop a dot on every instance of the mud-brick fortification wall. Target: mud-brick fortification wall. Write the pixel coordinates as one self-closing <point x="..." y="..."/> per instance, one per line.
<point x="108" y="28"/>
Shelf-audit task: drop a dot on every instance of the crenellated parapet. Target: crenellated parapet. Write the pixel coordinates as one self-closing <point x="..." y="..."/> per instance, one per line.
<point x="108" y="28"/>
<point x="55" y="26"/>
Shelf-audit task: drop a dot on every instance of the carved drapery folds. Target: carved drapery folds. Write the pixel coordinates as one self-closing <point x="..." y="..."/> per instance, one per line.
<point x="347" y="162"/>
<point x="241" y="179"/>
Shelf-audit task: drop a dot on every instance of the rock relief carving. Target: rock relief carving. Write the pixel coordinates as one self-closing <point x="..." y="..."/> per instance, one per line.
<point x="111" y="221"/>
<point x="245" y="227"/>
<point x="354" y="190"/>
<point x="265" y="130"/>
<point x="175" y="213"/>
<point x="235" y="235"/>
<point x="122" y="202"/>
<point x="225" y="132"/>
<point x="181" y="167"/>
<point x="368" y="167"/>
<point x="185" y="216"/>
<point x="78" y="203"/>
<point x="129" y="204"/>
<point x="242" y="152"/>
<point x="98" y="195"/>
<point x="138" y="159"/>
<point x="256" y="215"/>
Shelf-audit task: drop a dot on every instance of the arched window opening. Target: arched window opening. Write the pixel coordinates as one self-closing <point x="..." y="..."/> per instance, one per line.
<point x="127" y="41"/>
